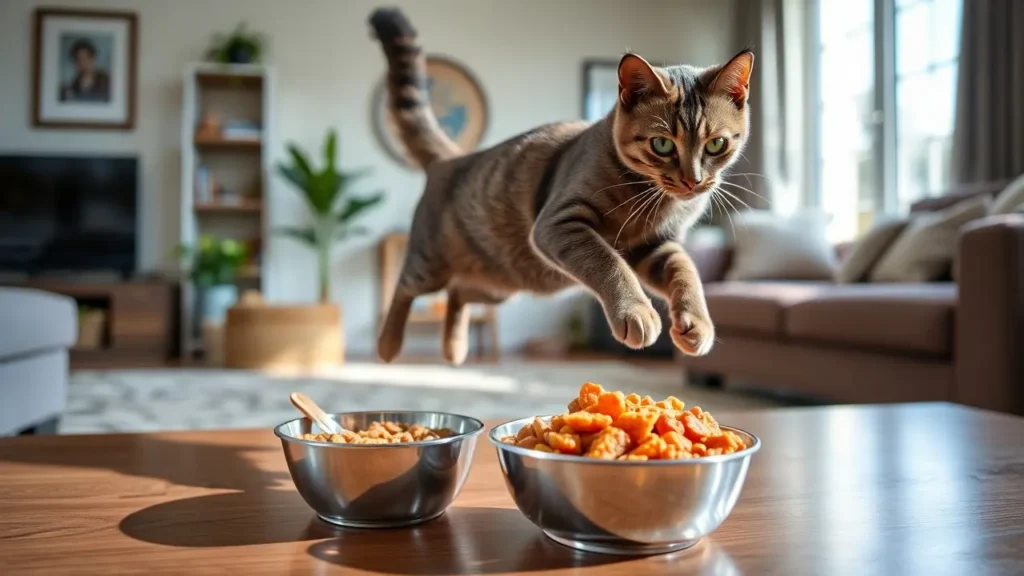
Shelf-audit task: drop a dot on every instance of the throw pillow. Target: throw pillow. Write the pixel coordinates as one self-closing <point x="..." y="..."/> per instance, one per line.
<point x="867" y="250"/>
<point x="924" y="251"/>
<point x="1011" y="199"/>
<point x="772" y="247"/>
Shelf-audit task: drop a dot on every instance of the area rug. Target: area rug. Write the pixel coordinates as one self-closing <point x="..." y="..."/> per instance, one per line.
<point x="147" y="400"/>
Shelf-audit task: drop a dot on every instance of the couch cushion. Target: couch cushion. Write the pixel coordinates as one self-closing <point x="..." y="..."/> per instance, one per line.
<point x="914" y="318"/>
<point x="33" y="321"/>
<point x="756" y="307"/>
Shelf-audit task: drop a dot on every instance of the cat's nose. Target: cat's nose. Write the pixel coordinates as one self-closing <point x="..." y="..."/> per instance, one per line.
<point x="691" y="183"/>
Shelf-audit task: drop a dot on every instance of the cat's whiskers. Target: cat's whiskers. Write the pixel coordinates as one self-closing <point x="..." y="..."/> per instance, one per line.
<point x="619" y="185"/>
<point x="636" y="210"/>
<point x="715" y="196"/>
<point x="630" y="199"/>
<point x="745" y="189"/>
<point x="735" y="197"/>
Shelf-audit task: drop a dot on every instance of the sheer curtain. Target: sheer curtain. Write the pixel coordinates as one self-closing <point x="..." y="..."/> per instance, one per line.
<point x="774" y="168"/>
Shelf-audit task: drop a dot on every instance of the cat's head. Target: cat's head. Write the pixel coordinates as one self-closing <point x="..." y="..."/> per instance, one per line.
<point x="682" y="126"/>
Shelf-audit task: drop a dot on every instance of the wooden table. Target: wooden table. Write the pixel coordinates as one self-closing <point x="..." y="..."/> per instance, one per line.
<point x="912" y="489"/>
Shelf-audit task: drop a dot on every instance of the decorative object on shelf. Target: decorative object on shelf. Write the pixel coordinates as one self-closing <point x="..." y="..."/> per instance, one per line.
<point x="91" y="324"/>
<point x="333" y="210"/>
<point x="458" y="102"/>
<point x="214" y="267"/>
<point x="84" y="69"/>
<point x="209" y="127"/>
<point x="600" y="88"/>
<point x="241" y="130"/>
<point x="239" y="47"/>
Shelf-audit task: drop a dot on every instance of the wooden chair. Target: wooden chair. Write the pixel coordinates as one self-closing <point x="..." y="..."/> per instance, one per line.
<point x="482" y="319"/>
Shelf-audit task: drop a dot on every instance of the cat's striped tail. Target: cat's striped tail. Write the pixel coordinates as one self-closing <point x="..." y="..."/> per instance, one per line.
<point x="407" y="89"/>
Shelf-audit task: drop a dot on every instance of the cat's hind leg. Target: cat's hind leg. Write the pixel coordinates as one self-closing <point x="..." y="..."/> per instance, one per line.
<point x="455" y="342"/>
<point x="418" y="277"/>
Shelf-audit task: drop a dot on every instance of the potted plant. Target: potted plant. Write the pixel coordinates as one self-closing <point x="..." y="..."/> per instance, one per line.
<point x="239" y="47"/>
<point x="213" y="266"/>
<point x="333" y="209"/>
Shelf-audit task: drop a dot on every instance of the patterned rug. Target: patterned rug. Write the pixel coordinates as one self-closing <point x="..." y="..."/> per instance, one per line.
<point x="194" y="398"/>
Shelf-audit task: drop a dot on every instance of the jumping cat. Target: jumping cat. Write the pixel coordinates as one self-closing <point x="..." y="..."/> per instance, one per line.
<point x="600" y="205"/>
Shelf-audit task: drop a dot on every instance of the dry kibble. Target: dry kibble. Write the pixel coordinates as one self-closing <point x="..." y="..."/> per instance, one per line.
<point x="385" y="433"/>
<point x="609" y="444"/>
<point x="613" y="426"/>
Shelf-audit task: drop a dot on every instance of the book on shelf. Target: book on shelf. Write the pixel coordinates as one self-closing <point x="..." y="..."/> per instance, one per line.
<point x="204" y="186"/>
<point x="241" y="130"/>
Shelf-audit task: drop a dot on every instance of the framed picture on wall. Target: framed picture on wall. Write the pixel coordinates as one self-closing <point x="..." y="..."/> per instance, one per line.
<point x="600" y="88"/>
<point x="85" y="65"/>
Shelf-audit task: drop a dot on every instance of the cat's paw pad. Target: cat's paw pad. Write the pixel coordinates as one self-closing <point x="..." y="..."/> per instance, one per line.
<point x="636" y="325"/>
<point x="694" y="334"/>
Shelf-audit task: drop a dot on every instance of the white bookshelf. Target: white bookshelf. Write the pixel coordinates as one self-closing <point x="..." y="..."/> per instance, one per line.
<point x="238" y="160"/>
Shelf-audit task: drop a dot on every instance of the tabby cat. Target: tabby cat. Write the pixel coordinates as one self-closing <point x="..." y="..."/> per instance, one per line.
<point x="600" y="205"/>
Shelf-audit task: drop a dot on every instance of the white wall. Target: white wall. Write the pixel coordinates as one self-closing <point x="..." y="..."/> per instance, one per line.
<point x="526" y="53"/>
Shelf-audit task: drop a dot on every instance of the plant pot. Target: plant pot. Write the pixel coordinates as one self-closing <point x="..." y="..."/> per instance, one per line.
<point x="215" y="302"/>
<point x="240" y="55"/>
<point x="259" y="336"/>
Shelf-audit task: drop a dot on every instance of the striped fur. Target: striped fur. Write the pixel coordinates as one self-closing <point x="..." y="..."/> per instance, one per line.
<point x="407" y="92"/>
<point x="572" y="203"/>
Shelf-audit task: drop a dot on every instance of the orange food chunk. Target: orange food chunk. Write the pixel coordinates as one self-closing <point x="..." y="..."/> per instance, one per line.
<point x="588" y="421"/>
<point x="695" y="428"/>
<point x="528" y="442"/>
<point x="525" y="432"/>
<point x="589" y="393"/>
<point x="699" y="449"/>
<point x="564" y="443"/>
<point x="673" y="438"/>
<point x="611" y="403"/>
<point x="637" y="424"/>
<point x="668" y="423"/>
<point x="647" y="401"/>
<point x="574" y="406"/>
<point x="543" y="448"/>
<point x="540" y="427"/>
<point x="674" y="453"/>
<point x="558" y="422"/>
<point x="671" y="403"/>
<point x="714" y="451"/>
<point x="727" y="442"/>
<point x="633" y="398"/>
<point x="609" y="444"/>
<point x="566" y="430"/>
<point x="651" y="448"/>
<point x="587" y="439"/>
<point x="637" y="457"/>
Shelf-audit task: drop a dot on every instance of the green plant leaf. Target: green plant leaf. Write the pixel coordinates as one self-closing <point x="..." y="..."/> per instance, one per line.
<point x="356" y="206"/>
<point x="305" y="235"/>
<point x="301" y="161"/>
<point x="292" y="175"/>
<point x="331" y="149"/>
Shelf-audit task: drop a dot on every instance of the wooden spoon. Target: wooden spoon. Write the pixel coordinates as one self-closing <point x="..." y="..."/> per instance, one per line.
<point x="314" y="412"/>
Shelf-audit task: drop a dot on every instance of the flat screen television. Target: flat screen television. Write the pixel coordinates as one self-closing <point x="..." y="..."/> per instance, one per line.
<point x="68" y="214"/>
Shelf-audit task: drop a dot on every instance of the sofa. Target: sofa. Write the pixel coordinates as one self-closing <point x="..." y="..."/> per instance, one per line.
<point x="959" y="341"/>
<point x="36" y="330"/>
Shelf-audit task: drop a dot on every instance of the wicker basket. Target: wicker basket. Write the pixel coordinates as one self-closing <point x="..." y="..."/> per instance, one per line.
<point x="91" y="324"/>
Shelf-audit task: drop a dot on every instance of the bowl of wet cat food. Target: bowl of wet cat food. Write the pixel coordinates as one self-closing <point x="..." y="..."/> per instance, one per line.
<point x="379" y="469"/>
<point x="622" y="474"/>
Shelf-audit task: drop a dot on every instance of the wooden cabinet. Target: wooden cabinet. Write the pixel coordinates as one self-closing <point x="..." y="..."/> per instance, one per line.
<point x="141" y="320"/>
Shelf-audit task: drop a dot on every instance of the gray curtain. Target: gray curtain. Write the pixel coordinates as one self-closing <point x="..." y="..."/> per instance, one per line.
<point x="988" y="137"/>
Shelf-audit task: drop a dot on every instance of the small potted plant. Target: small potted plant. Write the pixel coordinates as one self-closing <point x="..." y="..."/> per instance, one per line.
<point x="213" y="266"/>
<point x="239" y="47"/>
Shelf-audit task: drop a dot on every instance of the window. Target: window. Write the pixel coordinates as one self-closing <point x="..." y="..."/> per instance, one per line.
<point x="887" y="88"/>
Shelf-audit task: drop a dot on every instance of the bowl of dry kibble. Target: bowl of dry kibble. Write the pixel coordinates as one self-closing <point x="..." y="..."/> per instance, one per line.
<point x="624" y="474"/>
<point x="383" y="469"/>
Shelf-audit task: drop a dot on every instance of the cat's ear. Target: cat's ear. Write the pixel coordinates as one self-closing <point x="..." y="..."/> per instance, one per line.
<point x="734" y="77"/>
<point x="636" y="78"/>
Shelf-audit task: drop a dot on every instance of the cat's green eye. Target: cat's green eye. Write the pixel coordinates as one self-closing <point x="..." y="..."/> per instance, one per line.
<point x="715" y="146"/>
<point x="662" y="146"/>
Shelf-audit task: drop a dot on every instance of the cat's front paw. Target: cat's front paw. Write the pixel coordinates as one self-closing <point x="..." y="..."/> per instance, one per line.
<point x="692" y="332"/>
<point x="636" y="324"/>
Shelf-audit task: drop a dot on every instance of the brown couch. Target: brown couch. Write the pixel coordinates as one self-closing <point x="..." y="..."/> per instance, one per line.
<point x="960" y="342"/>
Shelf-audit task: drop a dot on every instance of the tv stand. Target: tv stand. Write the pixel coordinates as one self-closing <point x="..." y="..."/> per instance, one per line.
<point x="141" y="319"/>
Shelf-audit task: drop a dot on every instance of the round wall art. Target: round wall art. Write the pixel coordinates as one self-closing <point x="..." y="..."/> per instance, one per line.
<point x="457" y="100"/>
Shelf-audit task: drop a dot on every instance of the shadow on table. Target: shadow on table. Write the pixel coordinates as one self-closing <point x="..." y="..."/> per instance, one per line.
<point x="469" y="540"/>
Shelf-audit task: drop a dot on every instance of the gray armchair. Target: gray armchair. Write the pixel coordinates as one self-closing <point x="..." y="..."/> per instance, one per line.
<point x="36" y="330"/>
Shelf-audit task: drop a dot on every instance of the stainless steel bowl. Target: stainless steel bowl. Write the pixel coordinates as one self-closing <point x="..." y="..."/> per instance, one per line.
<point x="380" y="485"/>
<point x="621" y="507"/>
